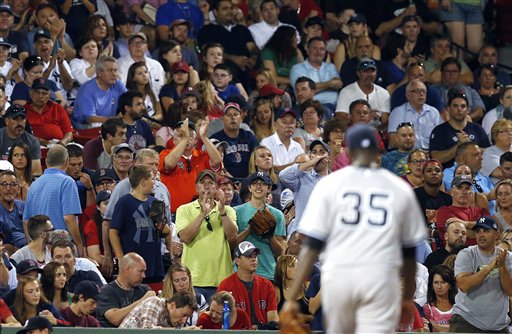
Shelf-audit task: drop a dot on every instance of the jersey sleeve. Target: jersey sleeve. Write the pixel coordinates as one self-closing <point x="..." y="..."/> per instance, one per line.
<point x="315" y="220"/>
<point x="413" y="221"/>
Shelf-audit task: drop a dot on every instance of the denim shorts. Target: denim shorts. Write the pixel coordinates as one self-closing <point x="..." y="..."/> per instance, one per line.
<point x="469" y="14"/>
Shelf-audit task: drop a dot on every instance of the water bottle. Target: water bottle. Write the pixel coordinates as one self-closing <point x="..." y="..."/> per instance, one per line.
<point x="225" y="315"/>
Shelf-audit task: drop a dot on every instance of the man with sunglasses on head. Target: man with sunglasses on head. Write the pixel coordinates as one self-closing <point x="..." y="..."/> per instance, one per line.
<point x="365" y="88"/>
<point x="488" y="56"/>
<point x="448" y="136"/>
<point x="415" y="111"/>
<point x="396" y="161"/>
<point x="208" y="229"/>
<point x="15" y="130"/>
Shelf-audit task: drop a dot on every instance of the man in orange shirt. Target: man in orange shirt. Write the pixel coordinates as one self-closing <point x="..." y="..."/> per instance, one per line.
<point x="180" y="165"/>
<point x="47" y="118"/>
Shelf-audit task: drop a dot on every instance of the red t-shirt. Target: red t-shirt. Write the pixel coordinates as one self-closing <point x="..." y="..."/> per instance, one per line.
<point x="91" y="234"/>
<point x="53" y="123"/>
<point x="467" y="214"/>
<point x="5" y="311"/>
<point x="181" y="181"/>
<point x="263" y="295"/>
<point x="242" y="321"/>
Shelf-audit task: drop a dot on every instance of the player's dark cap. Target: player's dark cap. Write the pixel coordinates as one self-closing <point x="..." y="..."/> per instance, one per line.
<point x="87" y="289"/>
<point x="281" y="112"/>
<point x="263" y="177"/>
<point x="26" y="266"/>
<point x="314" y="20"/>
<point x="103" y="196"/>
<point x="486" y="223"/>
<point x="362" y="137"/>
<point x="36" y="323"/>
<point x="319" y="142"/>
<point x="357" y="18"/>
<point x="460" y="180"/>
<point x="206" y="173"/>
<point x="246" y="248"/>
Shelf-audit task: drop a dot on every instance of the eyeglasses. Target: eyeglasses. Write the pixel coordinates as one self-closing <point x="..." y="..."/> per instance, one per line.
<point x="507" y="131"/>
<point x="208" y="223"/>
<point x="419" y="91"/>
<point x="418" y="161"/>
<point x="9" y="184"/>
<point x="401" y="125"/>
<point x="123" y="157"/>
<point x="16" y="108"/>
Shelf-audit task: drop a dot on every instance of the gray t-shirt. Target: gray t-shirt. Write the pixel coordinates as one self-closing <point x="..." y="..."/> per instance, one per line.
<point x="31" y="141"/>
<point x="217" y="125"/>
<point x="485" y="306"/>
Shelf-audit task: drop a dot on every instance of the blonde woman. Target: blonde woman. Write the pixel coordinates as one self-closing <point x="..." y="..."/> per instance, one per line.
<point x="503" y="214"/>
<point x="262" y="121"/>
<point x="179" y="279"/>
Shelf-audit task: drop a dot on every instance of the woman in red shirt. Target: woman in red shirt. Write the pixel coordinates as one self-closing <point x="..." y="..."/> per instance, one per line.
<point x="212" y="319"/>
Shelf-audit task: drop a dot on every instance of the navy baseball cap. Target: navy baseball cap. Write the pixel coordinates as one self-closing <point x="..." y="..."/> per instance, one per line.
<point x="281" y="112"/>
<point x="6" y="9"/>
<point x="366" y="64"/>
<point x="26" y="266"/>
<point x="246" y="248"/>
<point x="42" y="33"/>
<point x="88" y="289"/>
<point x="103" y="174"/>
<point x="103" y="196"/>
<point x="41" y="83"/>
<point x="15" y="110"/>
<point x="357" y="18"/>
<point x="486" y="223"/>
<point x="263" y="177"/>
<point x="362" y="137"/>
<point x="319" y="142"/>
<point x="410" y="18"/>
<point x="460" y="180"/>
<point x="4" y="42"/>
<point x="35" y="323"/>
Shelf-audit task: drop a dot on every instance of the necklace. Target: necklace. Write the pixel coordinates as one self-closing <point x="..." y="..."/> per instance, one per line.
<point x="121" y="286"/>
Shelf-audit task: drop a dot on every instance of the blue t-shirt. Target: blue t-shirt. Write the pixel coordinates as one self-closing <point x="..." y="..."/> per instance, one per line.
<point x="169" y="90"/>
<point x="236" y="157"/>
<point x="11" y="224"/>
<point x="138" y="234"/>
<point x="395" y="161"/>
<point x="313" y="290"/>
<point x="91" y="100"/>
<point x="139" y="135"/>
<point x="171" y="11"/>
<point x="230" y="90"/>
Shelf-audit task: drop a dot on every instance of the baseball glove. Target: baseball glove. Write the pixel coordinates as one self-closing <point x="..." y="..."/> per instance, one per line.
<point x="157" y="215"/>
<point x="289" y="323"/>
<point x="263" y="223"/>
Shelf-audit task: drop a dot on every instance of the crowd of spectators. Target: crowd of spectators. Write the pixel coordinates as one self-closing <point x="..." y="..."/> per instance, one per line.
<point x="139" y="138"/>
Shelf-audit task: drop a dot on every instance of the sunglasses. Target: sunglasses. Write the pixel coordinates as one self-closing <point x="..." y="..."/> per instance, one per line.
<point x="478" y="187"/>
<point x="208" y="223"/>
<point x="401" y="125"/>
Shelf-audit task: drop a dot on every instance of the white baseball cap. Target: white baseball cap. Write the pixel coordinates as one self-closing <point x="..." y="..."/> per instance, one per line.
<point x="6" y="165"/>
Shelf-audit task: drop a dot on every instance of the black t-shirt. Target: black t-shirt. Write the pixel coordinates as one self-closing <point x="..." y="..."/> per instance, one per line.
<point x="435" y="258"/>
<point x="428" y="202"/>
<point x="384" y="11"/>
<point x="112" y="296"/>
<point x="234" y="41"/>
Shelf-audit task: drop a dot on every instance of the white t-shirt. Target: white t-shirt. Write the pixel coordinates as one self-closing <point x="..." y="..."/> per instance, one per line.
<point x="280" y="153"/>
<point x="378" y="99"/>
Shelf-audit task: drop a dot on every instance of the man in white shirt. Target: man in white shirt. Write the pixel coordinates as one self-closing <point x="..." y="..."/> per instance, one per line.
<point x="364" y="88"/>
<point x="284" y="149"/>
<point x="262" y="31"/>
<point x="138" y="46"/>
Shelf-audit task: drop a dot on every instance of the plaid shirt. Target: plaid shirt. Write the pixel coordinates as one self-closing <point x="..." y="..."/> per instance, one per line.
<point x="150" y="313"/>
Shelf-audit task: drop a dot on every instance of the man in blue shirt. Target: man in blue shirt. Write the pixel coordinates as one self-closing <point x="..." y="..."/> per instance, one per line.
<point x="96" y="100"/>
<point x="55" y="194"/>
<point x="302" y="178"/>
<point x="178" y="9"/>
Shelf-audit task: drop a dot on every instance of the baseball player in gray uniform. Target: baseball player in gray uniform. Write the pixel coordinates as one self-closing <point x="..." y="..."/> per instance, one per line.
<point x="366" y="222"/>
